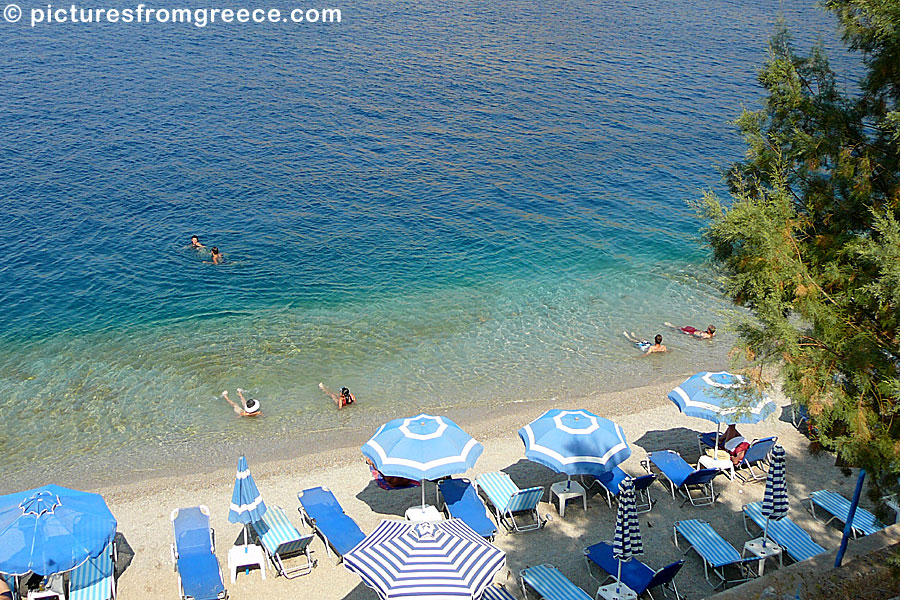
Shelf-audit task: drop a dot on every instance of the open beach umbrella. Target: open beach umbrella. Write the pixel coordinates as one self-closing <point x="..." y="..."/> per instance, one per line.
<point x="422" y="447"/>
<point x="775" y="500"/>
<point x="716" y="397"/>
<point x="574" y="442"/>
<point x="52" y="529"/>
<point x="627" y="540"/>
<point x="440" y="561"/>
<point x="247" y="505"/>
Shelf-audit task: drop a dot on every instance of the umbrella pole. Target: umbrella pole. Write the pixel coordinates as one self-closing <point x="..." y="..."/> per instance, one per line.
<point x="568" y="482"/>
<point x="423" y="495"/>
<point x="619" y="578"/>
<point x="765" y="532"/>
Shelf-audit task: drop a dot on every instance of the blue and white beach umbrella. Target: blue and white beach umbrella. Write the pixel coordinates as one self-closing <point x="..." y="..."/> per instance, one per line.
<point x="715" y="397"/>
<point x="247" y="505"/>
<point x="627" y="541"/>
<point x="52" y="529"/>
<point x="422" y="447"/>
<point x="438" y="561"/>
<point x="574" y="442"/>
<point x="775" y="500"/>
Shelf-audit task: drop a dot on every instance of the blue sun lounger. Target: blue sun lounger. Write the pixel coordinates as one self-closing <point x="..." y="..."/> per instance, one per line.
<point x="713" y="550"/>
<point x="864" y="522"/>
<point x="94" y="579"/>
<point x="324" y="515"/>
<point x="610" y="483"/>
<point x="683" y="477"/>
<point x="194" y="555"/>
<point x="280" y="539"/>
<point x="784" y="532"/>
<point x="550" y="584"/>
<point x="508" y="500"/>
<point x="636" y="575"/>
<point x="462" y="502"/>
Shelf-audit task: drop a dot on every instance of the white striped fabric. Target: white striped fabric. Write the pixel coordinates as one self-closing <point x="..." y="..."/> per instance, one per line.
<point x="93" y="579"/>
<point x="787" y="534"/>
<point x="498" y="487"/>
<point x="550" y="584"/>
<point x="711" y="546"/>
<point x="775" y="500"/>
<point x="438" y="561"/>
<point x="627" y="540"/>
<point x="275" y="529"/>
<point x="838" y="506"/>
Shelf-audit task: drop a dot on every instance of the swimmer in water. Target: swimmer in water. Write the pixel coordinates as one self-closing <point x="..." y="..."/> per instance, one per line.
<point x="693" y="331"/>
<point x="217" y="258"/>
<point x="248" y="408"/>
<point x="645" y="346"/>
<point x="341" y="400"/>
<point x="195" y="243"/>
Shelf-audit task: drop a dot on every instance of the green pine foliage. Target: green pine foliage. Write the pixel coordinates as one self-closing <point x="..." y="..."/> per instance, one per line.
<point x="810" y="239"/>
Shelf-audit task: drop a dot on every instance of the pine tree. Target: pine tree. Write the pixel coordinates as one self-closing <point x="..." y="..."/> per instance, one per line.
<point x="810" y="239"/>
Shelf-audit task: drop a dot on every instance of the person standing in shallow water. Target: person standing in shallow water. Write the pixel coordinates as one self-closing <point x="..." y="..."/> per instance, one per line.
<point x="345" y="398"/>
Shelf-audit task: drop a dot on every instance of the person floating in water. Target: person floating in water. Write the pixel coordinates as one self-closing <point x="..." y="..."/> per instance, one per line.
<point x="195" y="243"/>
<point x="645" y="346"/>
<point x="217" y="258"/>
<point x="341" y="400"/>
<point x="248" y="408"/>
<point x="693" y="331"/>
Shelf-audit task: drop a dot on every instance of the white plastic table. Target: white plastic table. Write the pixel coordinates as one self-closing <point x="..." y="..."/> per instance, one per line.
<point x="616" y="591"/>
<point x="566" y="490"/>
<point x="426" y="514"/>
<point x="246" y="556"/>
<point x="723" y="464"/>
<point x="770" y="550"/>
<point x="43" y="595"/>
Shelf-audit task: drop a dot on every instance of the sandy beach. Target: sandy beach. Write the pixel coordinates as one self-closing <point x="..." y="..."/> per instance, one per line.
<point x="649" y="420"/>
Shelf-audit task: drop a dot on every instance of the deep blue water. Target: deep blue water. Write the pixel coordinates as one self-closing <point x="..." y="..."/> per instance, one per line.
<point x="434" y="205"/>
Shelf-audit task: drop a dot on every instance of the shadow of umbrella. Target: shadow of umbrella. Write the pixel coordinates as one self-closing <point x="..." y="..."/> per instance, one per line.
<point x="679" y="439"/>
<point x="124" y="554"/>
<point x="392" y="503"/>
<point x="526" y="474"/>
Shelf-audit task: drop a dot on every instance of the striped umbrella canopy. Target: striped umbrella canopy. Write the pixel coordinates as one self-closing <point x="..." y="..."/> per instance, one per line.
<point x="422" y="447"/>
<point x="575" y="442"/>
<point x="439" y="561"/>
<point x="52" y="529"/>
<point x="247" y="505"/>
<point x="627" y="540"/>
<point x="718" y="397"/>
<point x="775" y="500"/>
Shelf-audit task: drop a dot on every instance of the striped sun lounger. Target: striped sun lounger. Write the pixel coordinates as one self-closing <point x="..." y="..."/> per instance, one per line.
<point x="94" y="579"/>
<point x="712" y="548"/>
<point x="784" y="532"/>
<point x="550" y="584"/>
<point x="864" y="522"/>
<point x="281" y="539"/>
<point x="497" y="592"/>
<point x="508" y="500"/>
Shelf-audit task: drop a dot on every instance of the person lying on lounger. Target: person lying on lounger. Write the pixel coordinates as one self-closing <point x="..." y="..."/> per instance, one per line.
<point x="734" y="444"/>
<point x="5" y="592"/>
<point x="397" y="483"/>
<point x="645" y="346"/>
<point x="693" y="331"/>
<point x="341" y="400"/>
<point x="248" y="408"/>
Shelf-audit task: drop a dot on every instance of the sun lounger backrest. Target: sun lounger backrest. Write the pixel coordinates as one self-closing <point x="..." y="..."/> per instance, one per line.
<point x="666" y="574"/>
<point x="708" y="544"/>
<point x="700" y="477"/>
<point x="525" y="499"/>
<point x="499" y="488"/>
<point x="760" y="449"/>
<point x="192" y="532"/>
<point x="839" y="506"/>
<point x="784" y="532"/>
<point x="550" y="584"/>
<point x="643" y="482"/>
<point x="278" y="534"/>
<point x="93" y="579"/>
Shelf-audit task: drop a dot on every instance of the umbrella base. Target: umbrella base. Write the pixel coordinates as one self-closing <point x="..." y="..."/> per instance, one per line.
<point x="616" y="591"/>
<point x="423" y="514"/>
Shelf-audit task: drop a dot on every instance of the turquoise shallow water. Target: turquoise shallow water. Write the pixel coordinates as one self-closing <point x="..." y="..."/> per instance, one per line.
<point x="433" y="207"/>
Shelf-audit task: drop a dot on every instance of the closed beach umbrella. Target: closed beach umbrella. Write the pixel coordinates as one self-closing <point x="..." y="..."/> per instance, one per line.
<point x="438" y="561"/>
<point x="52" y="529"/>
<point x="716" y="397"/>
<point x="775" y="500"/>
<point x="422" y="447"/>
<point x="627" y="540"/>
<point x="575" y="442"/>
<point x="247" y="505"/>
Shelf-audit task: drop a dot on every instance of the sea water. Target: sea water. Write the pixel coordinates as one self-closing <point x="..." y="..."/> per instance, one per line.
<point x="434" y="204"/>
